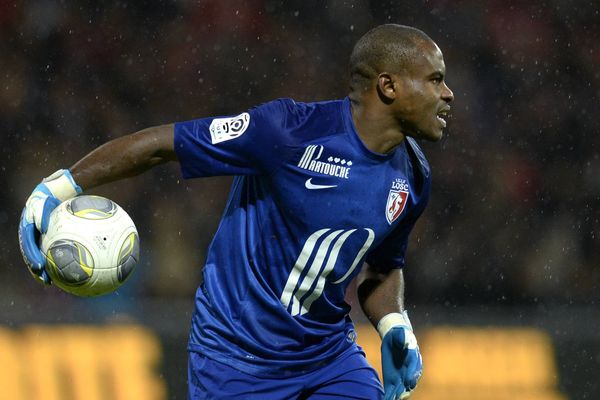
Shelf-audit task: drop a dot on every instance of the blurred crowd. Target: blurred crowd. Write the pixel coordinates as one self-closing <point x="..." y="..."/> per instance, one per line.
<point x="515" y="208"/>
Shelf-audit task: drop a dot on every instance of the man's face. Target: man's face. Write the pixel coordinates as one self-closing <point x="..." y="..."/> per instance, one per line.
<point x="422" y="96"/>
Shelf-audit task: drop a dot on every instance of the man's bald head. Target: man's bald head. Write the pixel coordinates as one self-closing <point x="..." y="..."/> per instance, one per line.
<point x="391" y="48"/>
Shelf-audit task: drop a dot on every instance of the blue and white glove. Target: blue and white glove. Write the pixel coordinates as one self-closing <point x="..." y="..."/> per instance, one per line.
<point x="401" y="360"/>
<point x="46" y="196"/>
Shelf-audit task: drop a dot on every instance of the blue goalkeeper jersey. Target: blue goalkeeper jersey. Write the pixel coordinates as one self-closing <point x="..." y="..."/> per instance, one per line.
<point x="309" y="204"/>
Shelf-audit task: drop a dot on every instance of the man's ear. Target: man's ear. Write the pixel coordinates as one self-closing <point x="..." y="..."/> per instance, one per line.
<point x="385" y="87"/>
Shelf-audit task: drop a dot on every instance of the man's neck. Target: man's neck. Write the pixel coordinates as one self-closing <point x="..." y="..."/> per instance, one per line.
<point x="378" y="131"/>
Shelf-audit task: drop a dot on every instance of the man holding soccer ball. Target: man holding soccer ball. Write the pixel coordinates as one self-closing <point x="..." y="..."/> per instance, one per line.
<point x="320" y="190"/>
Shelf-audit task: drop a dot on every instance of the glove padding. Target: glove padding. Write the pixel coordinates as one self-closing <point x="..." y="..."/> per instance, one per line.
<point x="46" y="196"/>
<point x="401" y="360"/>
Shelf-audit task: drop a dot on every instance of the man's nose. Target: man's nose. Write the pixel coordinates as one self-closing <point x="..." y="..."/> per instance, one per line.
<point x="447" y="93"/>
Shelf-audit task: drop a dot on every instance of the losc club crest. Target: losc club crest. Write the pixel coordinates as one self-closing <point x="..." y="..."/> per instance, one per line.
<point x="396" y="200"/>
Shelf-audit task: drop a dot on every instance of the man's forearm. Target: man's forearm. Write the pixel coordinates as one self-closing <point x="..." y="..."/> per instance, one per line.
<point x="381" y="294"/>
<point x="125" y="156"/>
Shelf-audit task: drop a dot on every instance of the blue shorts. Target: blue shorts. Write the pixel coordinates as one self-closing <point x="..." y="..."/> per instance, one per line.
<point x="349" y="377"/>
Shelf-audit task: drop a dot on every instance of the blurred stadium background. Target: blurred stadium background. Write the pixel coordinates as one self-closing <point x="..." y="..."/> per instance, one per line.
<point x="503" y="269"/>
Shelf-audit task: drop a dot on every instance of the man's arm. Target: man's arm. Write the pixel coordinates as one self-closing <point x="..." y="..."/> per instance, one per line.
<point x="381" y="296"/>
<point x="120" y="158"/>
<point x="125" y="156"/>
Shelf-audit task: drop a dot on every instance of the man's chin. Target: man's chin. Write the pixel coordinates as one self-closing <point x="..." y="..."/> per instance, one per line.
<point x="437" y="137"/>
<point x="432" y="136"/>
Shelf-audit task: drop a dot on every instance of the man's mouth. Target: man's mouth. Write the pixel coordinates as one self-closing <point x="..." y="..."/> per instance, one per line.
<point x="442" y="115"/>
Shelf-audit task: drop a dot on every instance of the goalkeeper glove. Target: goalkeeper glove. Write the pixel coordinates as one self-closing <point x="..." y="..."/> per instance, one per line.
<point x="46" y="196"/>
<point x="401" y="360"/>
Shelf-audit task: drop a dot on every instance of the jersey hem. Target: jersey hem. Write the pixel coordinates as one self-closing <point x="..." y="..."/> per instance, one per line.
<point x="275" y="370"/>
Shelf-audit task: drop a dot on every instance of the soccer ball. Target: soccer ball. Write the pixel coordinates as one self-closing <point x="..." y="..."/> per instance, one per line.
<point x="91" y="246"/>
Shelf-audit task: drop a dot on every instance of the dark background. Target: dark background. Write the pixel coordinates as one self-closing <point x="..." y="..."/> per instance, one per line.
<point x="512" y="227"/>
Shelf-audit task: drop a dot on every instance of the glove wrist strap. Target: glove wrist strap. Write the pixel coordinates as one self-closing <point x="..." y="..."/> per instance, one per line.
<point x="391" y="320"/>
<point x="62" y="185"/>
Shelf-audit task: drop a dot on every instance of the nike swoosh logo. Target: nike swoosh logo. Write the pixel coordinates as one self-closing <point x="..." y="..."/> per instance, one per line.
<point x="309" y="185"/>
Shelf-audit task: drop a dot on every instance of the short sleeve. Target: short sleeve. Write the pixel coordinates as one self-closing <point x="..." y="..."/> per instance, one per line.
<point x="244" y="144"/>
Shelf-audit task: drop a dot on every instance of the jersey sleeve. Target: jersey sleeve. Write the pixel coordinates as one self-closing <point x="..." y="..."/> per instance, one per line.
<point x="244" y="144"/>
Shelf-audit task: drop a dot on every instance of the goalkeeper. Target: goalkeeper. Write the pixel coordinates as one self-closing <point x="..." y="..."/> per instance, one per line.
<point x="321" y="191"/>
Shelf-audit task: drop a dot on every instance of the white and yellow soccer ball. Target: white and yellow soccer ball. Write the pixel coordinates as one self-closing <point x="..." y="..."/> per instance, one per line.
<point x="91" y="246"/>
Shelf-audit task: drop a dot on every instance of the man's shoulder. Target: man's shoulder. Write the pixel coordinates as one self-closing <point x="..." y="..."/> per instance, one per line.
<point x="307" y="120"/>
<point x="419" y="156"/>
<point x="306" y="108"/>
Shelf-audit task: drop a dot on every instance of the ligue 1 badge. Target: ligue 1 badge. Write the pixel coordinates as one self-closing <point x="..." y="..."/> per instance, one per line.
<point x="396" y="200"/>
